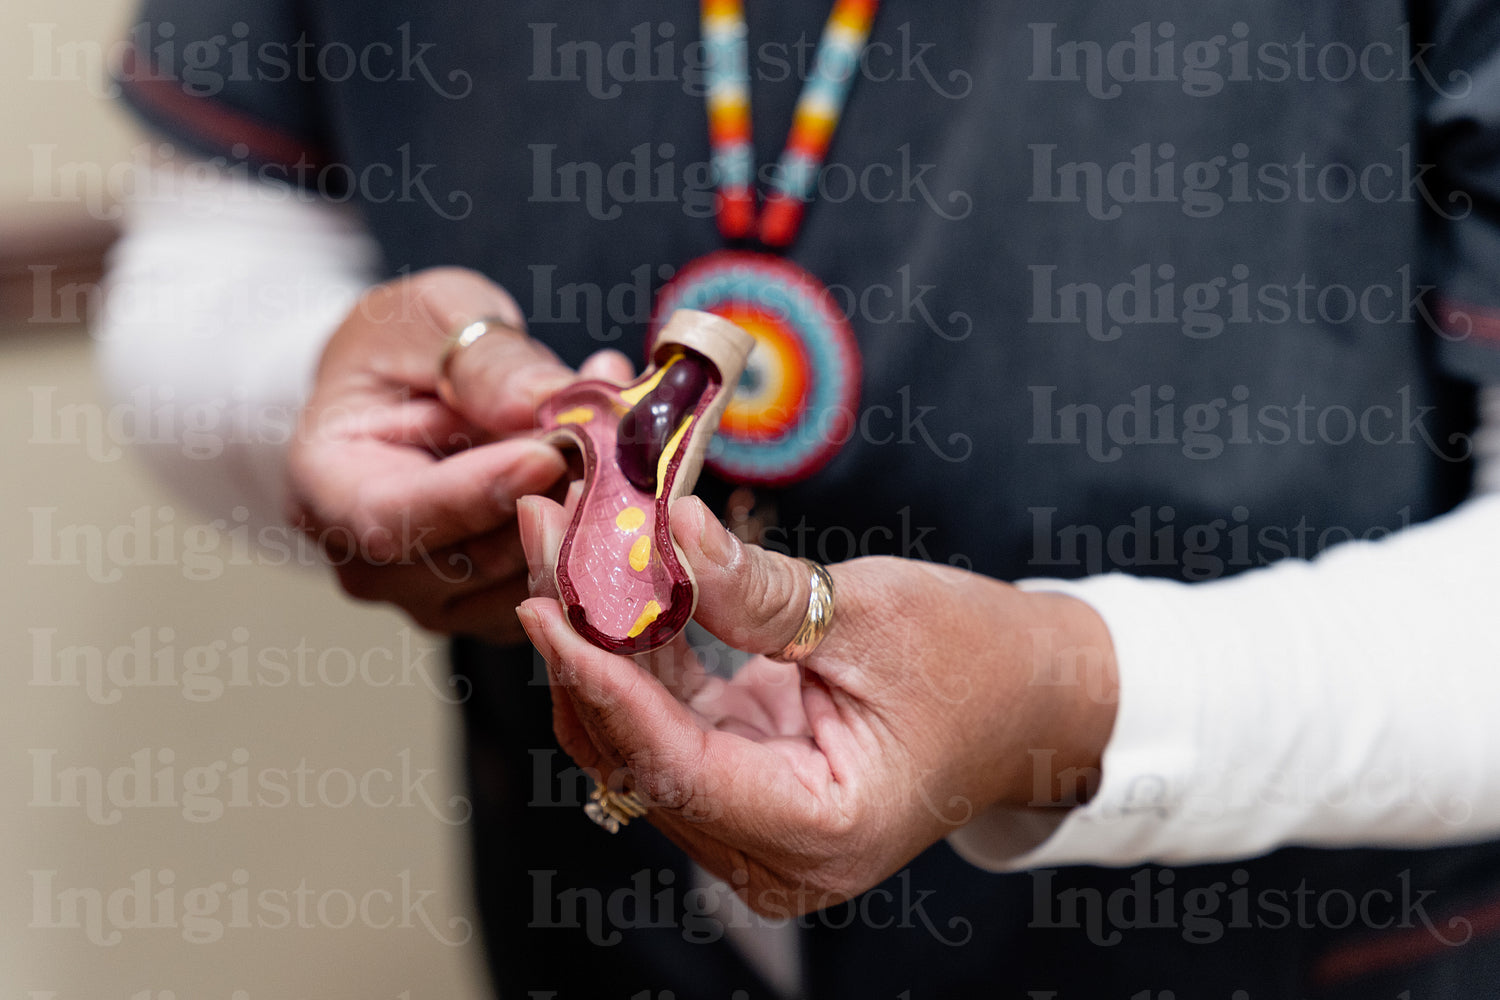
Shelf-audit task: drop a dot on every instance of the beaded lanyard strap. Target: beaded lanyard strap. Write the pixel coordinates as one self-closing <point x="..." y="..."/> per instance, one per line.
<point x="798" y="398"/>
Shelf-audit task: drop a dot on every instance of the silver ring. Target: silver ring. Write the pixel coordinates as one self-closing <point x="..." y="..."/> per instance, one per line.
<point x="613" y="810"/>
<point x="817" y="619"/>
<point x="457" y="341"/>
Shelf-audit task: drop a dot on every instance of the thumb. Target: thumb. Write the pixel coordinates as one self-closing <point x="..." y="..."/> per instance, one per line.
<point x="753" y="599"/>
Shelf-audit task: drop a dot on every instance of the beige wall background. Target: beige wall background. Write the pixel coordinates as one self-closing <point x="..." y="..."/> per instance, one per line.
<point x="157" y="695"/>
<point x="53" y="55"/>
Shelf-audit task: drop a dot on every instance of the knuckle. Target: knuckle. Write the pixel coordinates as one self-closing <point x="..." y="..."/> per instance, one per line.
<point x="373" y="539"/>
<point x="449" y="296"/>
<point x="840" y="826"/>
<point x="770" y="590"/>
<point x="664" y="789"/>
<point x="673" y="779"/>
<point x="430" y="288"/>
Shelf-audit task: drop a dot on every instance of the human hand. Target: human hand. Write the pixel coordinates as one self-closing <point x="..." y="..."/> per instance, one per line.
<point x="413" y="500"/>
<point x="933" y="696"/>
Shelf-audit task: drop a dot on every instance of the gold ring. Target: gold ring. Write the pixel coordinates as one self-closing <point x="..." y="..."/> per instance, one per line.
<point x="613" y="810"/>
<point x="816" y="621"/>
<point x="457" y="341"/>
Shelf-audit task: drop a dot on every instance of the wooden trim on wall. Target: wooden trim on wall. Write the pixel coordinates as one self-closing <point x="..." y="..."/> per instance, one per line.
<point x="51" y="265"/>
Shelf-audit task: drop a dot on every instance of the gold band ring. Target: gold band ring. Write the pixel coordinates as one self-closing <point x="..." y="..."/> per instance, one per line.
<point x="613" y="810"/>
<point x="817" y="619"/>
<point x="457" y="341"/>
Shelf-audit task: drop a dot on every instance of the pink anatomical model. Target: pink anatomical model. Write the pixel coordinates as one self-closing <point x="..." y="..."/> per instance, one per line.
<point x="620" y="576"/>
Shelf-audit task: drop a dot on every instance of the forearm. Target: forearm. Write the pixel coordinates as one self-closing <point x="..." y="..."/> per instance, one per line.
<point x="219" y="299"/>
<point x="1347" y="700"/>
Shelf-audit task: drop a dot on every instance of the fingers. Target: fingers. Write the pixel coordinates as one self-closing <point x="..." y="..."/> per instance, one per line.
<point x="706" y="788"/>
<point x="609" y="365"/>
<point x="499" y="380"/>
<point x="543" y="525"/>
<point x="397" y="330"/>
<point x="429" y="580"/>
<point x="489" y="614"/>
<point x="753" y="599"/>
<point x="470" y="588"/>
<point x="632" y="719"/>
<point x="418" y="422"/>
<point x="391" y="503"/>
<point x="449" y="297"/>
<point x="622" y="706"/>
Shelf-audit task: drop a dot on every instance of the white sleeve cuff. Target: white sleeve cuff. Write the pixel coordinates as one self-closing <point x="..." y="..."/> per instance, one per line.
<point x="218" y="302"/>
<point x="1339" y="702"/>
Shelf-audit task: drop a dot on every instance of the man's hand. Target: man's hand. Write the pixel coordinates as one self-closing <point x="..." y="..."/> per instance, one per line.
<point x="934" y="695"/>
<point x="413" y="501"/>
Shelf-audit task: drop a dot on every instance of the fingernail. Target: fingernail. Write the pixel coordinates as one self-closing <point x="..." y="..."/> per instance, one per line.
<point x="544" y="378"/>
<point x="536" y="468"/>
<point x="532" y="623"/>
<point x="526" y="523"/>
<point x="536" y="631"/>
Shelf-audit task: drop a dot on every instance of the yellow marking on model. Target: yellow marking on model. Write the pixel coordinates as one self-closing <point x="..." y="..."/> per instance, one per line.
<point x="637" y="393"/>
<point x="648" y="616"/>
<point x="577" y="415"/>
<point x="667" y="453"/>
<point x="640" y="553"/>
<point x="630" y="519"/>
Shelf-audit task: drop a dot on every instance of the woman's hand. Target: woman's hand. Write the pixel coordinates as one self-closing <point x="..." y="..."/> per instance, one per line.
<point x="413" y="500"/>
<point x="935" y="694"/>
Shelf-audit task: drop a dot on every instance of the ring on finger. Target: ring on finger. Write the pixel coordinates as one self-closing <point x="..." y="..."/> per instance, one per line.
<point x="815" y="620"/>
<point x="459" y="339"/>
<point x="611" y="809"/>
